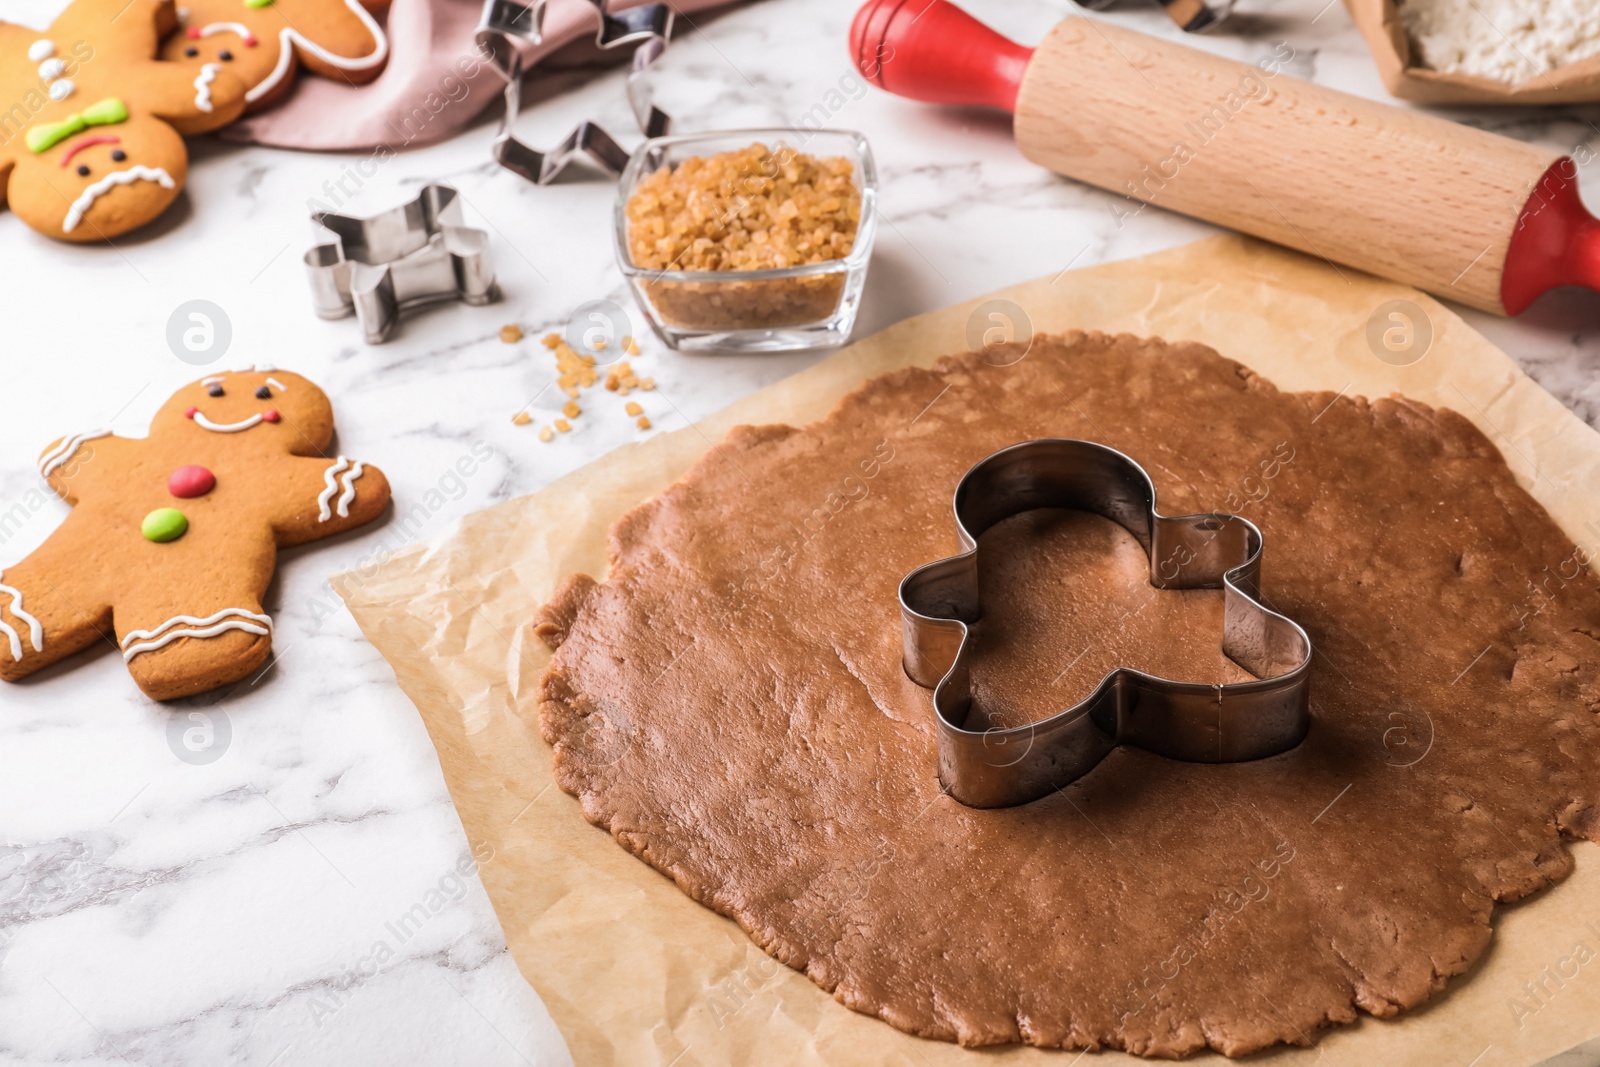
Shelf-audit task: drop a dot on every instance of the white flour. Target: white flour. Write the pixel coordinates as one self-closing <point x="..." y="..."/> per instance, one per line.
<point x="1508" y="40"/>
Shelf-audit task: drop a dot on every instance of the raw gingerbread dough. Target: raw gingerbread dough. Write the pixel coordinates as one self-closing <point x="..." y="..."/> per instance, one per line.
<point x="730" y="705"/>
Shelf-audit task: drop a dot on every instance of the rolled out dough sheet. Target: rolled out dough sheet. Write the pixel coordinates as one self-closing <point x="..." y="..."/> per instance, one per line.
<point x="634" y="972"/>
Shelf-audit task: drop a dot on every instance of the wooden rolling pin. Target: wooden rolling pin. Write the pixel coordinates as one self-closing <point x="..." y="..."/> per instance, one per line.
<point x="1470" y="216"/>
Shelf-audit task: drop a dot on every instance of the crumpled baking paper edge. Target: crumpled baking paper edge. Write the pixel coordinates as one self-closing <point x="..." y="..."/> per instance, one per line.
<point x="1380" y="23"/>
<point x="634" y="972"/>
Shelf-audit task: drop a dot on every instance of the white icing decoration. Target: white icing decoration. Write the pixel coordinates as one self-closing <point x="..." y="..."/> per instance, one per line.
<point x="348" y="480"/>
<point x="226" y="427"/>
<point x="16" y="642"/>
<point x="227" y="27"/>
<point x="41" y="50"/>
<point x="35" y="630"/>
<point x="202" y="86"/>
<point x="256" y="368"/>
<point x="189" y="626"/>
<point x="324" y="512"/>
<point x="277" y="385"/>
<point x="63" y="451"/>
<point x="61" y="88"/>
<point x="86" y="199"/>
<point x="51" y="69"/>
<point x="290" y="38"/>
<point x="211" y="380"/>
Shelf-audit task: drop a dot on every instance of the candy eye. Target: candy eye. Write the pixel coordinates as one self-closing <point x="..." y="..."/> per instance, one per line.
<point x="263" y="393"/>
<point x="215" y="390"/>
<point x="83" y="171"/>
<point x="191" y="52"/>
<point x="225" y="55"/>
<point x="118" y="155"/>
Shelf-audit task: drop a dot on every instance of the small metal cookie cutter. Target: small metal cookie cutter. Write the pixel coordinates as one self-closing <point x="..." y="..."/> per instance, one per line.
<point x="1191" y="16"/>
<point x="1193" y="721"/>
<point x="505" y="22"/>
<point x="416" y="254"/>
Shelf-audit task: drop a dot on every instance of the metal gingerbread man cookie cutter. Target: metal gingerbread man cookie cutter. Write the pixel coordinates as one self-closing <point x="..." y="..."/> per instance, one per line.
<point x="412" y="255"/>
<point x="1192" y="721"/>
<point x="505" y="22"/>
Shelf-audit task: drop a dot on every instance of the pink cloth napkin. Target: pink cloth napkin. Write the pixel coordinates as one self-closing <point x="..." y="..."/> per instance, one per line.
<point x="435" y="83"/>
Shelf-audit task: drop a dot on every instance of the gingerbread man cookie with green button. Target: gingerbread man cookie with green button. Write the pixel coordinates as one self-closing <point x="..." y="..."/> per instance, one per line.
<point x="91" y="122"/>
<point x="173" y="538"/>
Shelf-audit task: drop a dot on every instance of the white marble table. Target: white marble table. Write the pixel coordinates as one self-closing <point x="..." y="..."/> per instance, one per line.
<point x="154" y="909"/>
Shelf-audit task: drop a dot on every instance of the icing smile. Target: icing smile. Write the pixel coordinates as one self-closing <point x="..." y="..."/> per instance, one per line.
<point x="91" y="193"/>
<point x="270" y="415"/>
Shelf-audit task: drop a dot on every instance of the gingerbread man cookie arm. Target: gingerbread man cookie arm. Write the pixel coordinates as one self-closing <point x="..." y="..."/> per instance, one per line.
<point x="326" y="496"/>
<point x="350" y="19"/>
<point x="69" y="463"/>
<point x="14" y="40"/>
<point x="52" y="604"/>
<point x="191" y="101"/>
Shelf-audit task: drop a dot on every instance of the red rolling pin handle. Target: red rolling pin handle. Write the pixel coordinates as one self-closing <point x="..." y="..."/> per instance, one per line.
<point x="1557" y="241"/>
<point x="931" y="50"/>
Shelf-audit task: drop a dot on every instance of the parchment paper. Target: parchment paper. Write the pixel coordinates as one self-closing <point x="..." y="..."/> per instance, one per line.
<point x="636" y="973"/>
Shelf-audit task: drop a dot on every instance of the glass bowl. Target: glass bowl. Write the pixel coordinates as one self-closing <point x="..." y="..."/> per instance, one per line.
<point x="780" y="310"/>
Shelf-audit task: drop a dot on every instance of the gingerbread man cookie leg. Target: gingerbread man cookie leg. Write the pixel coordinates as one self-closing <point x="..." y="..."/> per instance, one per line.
<point x="181" y="530"/>
<point x="51" y="606"/>
<point x="190" y="651"/>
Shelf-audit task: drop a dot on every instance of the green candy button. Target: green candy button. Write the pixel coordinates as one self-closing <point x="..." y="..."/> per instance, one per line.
<point x="164" y="524"/>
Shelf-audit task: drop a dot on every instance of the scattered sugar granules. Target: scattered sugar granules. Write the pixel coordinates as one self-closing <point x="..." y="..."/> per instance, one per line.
<point x="511" y="333"/>
<point x="577" y="371"/>
<point x="622" y="380"/>
<point x="1506" y="40"/>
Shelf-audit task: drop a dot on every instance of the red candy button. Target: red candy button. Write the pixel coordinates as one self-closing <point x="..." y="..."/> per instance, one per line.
<point x="191" y="481"/>
<point x="270" y="415"/>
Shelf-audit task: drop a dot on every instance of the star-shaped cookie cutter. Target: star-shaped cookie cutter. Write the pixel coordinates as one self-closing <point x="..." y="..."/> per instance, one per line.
<point x="1192" y="721"/>
<point x="409" y="256"/>
<point x="505" y="22"/>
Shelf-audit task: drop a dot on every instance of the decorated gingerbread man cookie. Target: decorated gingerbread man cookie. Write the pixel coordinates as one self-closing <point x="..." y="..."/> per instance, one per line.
<point x="173" y="538"/>
<point x="262" y="41"/>
<point x="89" y="140"/>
